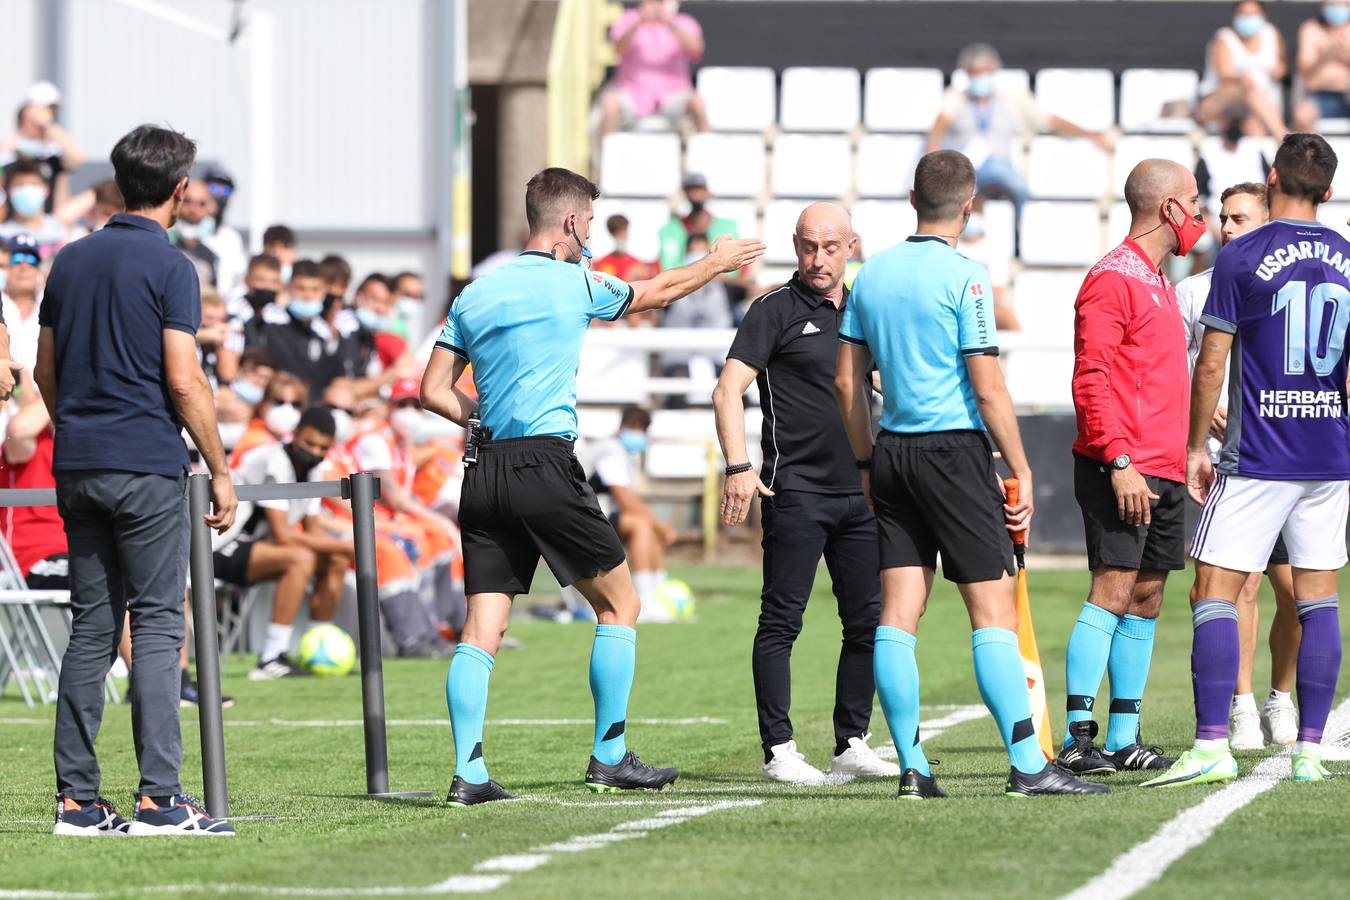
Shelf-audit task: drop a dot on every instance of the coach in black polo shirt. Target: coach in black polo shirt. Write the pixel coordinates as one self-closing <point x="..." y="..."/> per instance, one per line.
<point x="813" y="503"/>
<point x="118" y="370"/>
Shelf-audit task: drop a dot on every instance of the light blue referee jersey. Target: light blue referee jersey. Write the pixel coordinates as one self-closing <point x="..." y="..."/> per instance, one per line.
<point x="522" y="326"/>
<point x="921" y="308"/>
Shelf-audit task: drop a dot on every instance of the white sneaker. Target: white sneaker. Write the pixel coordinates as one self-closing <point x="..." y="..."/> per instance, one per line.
<point x="860" y="759"/>
<point x="1244" y="729"/>
<point x="791" y="767"/>
<point x="1279" y="722"/>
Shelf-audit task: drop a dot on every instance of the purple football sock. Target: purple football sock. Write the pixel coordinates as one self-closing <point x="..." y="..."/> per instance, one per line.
<point x="1214" y="666"/>
<point x="1319" y="662"/>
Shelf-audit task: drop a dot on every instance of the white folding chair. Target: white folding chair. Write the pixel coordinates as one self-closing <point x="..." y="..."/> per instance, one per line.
<point x="886" y="164"/>
<point x="812" y="165"/>
<point x="1061" y="233"/>
<point x="1066" y="168"/>
<point x="901" y="99"/>
<point x="881" y="224"/>
<point x="739" y="98"/>
<point x="640" y="165"/>
<point x="1133" y="149"/>
<point x="734" y="164"/>
<point x="1086" y="97"/>
<point x="1145" y="92"/>
<point x="820" y="99"/>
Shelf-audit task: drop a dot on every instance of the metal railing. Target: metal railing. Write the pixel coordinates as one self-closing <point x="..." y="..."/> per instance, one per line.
<point x="362" y="489"/>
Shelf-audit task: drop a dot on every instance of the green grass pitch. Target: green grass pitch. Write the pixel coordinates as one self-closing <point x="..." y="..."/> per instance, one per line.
<point x="766" y="840"/>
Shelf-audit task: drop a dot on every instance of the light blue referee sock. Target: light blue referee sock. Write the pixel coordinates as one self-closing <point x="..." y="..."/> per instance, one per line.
<point x="613" y="658"/>
<point x="897" y="678"/>
<point x="1131" y="653"/>
<point x="1003" y="685"/>
<point x="1085" y="661"/>
<point x="466" y="693"/>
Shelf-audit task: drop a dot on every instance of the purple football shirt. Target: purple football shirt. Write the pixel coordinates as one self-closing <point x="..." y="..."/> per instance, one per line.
<point x="1283" y="292"/>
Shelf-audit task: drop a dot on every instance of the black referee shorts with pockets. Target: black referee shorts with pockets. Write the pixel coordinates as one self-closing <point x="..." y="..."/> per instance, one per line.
<point x="938" y="493"/>
<point x="526" y="498"/>
<point x="1159" y="546"/>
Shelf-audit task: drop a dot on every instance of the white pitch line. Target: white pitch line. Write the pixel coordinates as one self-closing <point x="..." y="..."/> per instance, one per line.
<point x="445" y="722"/>
<point x="933" y="727"/>
<point x="1145" y="863"/>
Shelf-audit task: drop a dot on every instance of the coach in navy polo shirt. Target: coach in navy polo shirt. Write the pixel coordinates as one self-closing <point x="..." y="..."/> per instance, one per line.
<point x="117" y="367"/>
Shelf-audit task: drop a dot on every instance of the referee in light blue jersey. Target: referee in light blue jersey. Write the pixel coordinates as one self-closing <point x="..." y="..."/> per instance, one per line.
<point x="522" y="328"/>
<point x="924" y="313"/>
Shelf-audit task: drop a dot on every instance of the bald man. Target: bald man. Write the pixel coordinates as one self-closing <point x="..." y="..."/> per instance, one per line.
<point x="813" y="503"/>
<point x="1131" y="390"/>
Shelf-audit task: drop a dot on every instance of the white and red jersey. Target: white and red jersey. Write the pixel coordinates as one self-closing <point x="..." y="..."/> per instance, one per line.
<point x="34" y="532"/>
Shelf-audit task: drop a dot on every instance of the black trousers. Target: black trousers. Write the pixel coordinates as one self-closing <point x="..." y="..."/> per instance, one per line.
<point x="800" y="527"/>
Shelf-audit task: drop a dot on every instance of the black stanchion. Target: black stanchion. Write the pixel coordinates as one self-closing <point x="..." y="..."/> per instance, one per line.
<point x="364" y="489"/>
<point x="208" y="649"/>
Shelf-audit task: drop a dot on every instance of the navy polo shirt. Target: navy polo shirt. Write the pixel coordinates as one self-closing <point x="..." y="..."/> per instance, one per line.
<point x="109" y="297"/>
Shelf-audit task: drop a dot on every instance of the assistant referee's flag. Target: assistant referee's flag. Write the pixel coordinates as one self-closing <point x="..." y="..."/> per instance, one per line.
<point x="1026" y="638"/>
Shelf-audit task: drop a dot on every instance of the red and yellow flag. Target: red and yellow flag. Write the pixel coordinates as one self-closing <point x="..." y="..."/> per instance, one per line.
<point x="1026" y="639"/>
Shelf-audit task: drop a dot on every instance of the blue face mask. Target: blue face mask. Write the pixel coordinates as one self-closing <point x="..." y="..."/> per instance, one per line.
<point x="633" y="441"/>
<point x="305" y="309"/>
<point x="1336" y="15"/>
<point x="247" y="391"/>
<point x="370" y="319"/>
<point x="981" y="85"/>
<point x="28" y="199"/>
<point x="1249" y="25"/>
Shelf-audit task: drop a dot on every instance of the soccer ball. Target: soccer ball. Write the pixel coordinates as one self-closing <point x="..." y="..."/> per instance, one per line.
<point x="676" y="597"/>
<point x="327" y="650"/>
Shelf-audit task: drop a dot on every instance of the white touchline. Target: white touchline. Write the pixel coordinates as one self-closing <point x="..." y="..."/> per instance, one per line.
<point x="1145" y="863"/>
<point x="931" y="728"/>
<point x="490" y="874"/>
<point x="443" y="722"/>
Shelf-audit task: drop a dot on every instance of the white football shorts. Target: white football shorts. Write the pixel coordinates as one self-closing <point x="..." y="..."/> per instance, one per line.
<point x="1243" y="517"/>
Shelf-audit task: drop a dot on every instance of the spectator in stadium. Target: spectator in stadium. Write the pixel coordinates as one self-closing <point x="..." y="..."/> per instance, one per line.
<point x="284" y="541"/>
<point x="90" y="209"/>
<point x="274" y="418"/>
<point x="707" y="307"/>
<point x="28" y="192"/>
<point x="279" y="243"/>
<point x="116" y="356"/>
<point x="377" y="352"/>
<point x="1323" y="62"/>
<point x="224" y="240"/>
<point x="1244" y="65"/>
<point x="1131" y="390"/>
<point x="336" y="273"/>
<point x="813" y="503"/>
<point x="619" y="262"/>
<point x="645" y="535"/>
<point x="39" y="139"/>
<point x="218" y="343"/>
<point x="674" y="235"/>
<point x="236" y="401"/>
<point x="409" y="296"/>
<point x="254" y="303"/>
<point x="301" y="346"/>
<point x="1243" y="208"/>
<point x="21" y="299"/>
<point x="194" y="226"/>
<point x="656" y="44"/>
<point x="985" y="119"/>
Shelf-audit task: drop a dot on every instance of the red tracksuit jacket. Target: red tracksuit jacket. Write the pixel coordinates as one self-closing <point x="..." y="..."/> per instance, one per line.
<point x="1131" y="381"/>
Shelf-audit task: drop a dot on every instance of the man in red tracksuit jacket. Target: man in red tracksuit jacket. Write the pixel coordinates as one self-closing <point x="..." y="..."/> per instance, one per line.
<point x="1131" y="390"/>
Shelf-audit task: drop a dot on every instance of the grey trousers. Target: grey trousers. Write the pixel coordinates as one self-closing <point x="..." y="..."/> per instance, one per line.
<point x="128" y="536"/>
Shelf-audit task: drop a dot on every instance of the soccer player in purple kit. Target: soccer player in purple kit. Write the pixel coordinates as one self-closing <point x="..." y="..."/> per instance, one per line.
<point x="1280" y="300"/>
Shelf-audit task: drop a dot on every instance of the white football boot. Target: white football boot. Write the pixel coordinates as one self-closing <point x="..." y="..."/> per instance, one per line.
<point x="1279" y="721"/>
<point x="861" y="760"/>
<point x="791" y="767"/>
<point x="1244" y="727"/>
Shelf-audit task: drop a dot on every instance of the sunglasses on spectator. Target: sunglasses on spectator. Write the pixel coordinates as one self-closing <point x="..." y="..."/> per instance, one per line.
<point x="23" y="259"/>
<point x="293" y="404"/>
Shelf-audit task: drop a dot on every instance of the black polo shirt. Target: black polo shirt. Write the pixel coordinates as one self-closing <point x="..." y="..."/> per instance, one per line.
<point x="791" y="336"/>
<point x="109" y="298"/>
<point x="298" y="349"/>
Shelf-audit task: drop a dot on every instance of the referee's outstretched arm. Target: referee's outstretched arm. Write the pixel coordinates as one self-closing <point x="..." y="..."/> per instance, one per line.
<point x="727" y="255"/>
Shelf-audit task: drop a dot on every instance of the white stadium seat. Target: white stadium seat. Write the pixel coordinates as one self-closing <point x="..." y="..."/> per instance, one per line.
<point x="780" y="221"/>
<point x="1086" y="97"/>
<point x="1144" y="93"/>
<point x="901" y="99"/>
<point x="820" y="99"/>
<point x="1066" y="168"/>
<point x="1043" y="300"/>
<point x="734" y="164"/>
<point x="886" y="164"/>
<point x="682" y="424"/>
<point x="1000" y="228"/>
<point x="882" y="224"/>
<point x="645" y="218"/>
<point x="1133" y="149"/>
<point x="640" y="165"/>
<point x="1340" y="184"/>
<point x="1040" y="378"/>
<point x="1061" y="233"/>
<point x="1335" y="215"/>
<point x="1004" y="79"/>
<point x="743" y="212"/>
<point x="776" y="275"/>
<point x="595" y="423"/>
<point x="812" y="165"/>
<point x="1117" y="224"/>
<point x="739" y="99"/>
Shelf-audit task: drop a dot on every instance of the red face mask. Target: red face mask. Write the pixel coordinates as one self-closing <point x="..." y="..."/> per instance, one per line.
<point x="1189" y="232"/>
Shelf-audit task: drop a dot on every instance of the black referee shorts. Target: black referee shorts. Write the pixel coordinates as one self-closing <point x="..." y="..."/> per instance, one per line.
<point x="1159" y="546"/>
<point x="526" y="498"/>
<point x="938" y="493"/>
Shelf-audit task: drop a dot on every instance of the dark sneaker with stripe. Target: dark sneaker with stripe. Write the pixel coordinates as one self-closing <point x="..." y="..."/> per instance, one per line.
<point x="97" y="818"/>
<point x="914" y="786"/>
<point x="176" y="816"/>
<point x="628" y="774"/>
<point x="279" y="666"/>
<point x="1050" y="780"/>
<point x="1081" y="757"/>
<point x="466" y="793"/>
<point x="1137" y="758"/>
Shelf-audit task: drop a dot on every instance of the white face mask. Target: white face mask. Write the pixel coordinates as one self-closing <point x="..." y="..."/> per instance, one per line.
<point x="343" y="426"/>
<point x="405" y="421"/>
<point x="408" y="307"/>
<point x="281" y="420"/>
<point x="231" y="432"/>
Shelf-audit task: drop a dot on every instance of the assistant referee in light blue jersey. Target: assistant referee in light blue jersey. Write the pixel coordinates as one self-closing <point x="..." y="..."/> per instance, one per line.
<point x="924" y="313"/>
<point x="522" y="327"/>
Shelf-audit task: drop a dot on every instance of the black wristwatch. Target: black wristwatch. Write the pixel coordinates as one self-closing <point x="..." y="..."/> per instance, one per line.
<point x="864" y="464"/>
<point x="1121" y="462"/>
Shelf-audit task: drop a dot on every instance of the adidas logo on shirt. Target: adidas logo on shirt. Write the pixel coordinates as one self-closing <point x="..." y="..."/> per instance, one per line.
<point x="810" y="328"/>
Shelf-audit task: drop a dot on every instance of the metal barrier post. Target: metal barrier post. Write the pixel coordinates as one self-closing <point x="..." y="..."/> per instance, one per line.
<point x="364" y="490"/>
<point x="208" y="650"/>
